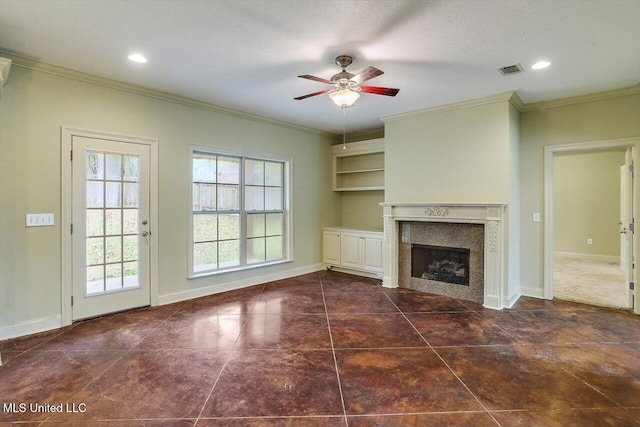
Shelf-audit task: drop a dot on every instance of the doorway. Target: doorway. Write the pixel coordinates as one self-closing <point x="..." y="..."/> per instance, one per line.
<point x="110" y="195"/>
<point x="589" y="239"/>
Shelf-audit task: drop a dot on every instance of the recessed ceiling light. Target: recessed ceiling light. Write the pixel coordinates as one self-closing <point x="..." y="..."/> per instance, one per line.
<point x="540" y="65"/>
<point x="136" y="57"/>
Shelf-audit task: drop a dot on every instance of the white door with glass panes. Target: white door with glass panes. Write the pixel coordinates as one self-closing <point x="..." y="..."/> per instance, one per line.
<point x="238" y="212"/>
<point x="111" y="231"/>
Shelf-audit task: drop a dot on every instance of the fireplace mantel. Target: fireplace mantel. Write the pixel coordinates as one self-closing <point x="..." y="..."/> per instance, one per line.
<point x="491" y="215"/>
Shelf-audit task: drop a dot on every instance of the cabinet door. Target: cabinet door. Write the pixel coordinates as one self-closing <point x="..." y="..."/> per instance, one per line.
<point x="331" y="247"/>
<point x="373" y="253"/>
<point x="352" y="250"/>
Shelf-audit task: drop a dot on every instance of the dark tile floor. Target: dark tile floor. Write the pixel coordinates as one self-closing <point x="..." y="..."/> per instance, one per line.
<point x="331" y="349"/>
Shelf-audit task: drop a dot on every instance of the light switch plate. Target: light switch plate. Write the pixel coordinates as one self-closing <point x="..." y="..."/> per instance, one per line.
<point x="536" y="217"/>
<point x="39" y="220"/>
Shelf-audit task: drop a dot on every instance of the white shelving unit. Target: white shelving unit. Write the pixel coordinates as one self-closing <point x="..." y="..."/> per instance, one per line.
<point x="359" y="166"/>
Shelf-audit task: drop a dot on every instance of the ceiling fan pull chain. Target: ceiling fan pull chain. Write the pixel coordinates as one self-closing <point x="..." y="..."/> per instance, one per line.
<point x="344" y="127"/>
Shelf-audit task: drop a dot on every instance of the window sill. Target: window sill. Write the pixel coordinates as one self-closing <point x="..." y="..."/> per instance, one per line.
<point x="237" y="269"/>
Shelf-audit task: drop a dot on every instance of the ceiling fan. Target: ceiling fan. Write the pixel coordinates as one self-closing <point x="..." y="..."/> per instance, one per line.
<point x="346" y="86"/>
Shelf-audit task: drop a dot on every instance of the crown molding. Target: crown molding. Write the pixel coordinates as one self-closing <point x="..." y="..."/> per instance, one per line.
<point x="5" y="68"/>
<point x="365" y="135"/>
<point x="516" y="101"/>
<point x="510" y="96"/>
<point x="562" y="102"/>
<point x="44" y="67"/>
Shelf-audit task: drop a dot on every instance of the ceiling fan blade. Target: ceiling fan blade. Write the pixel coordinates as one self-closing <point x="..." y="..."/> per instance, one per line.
<point x="380" y="90"/>
<point x="366" y="74"/>
<point x="317" y="79"/>
<point x="311" y="94"/>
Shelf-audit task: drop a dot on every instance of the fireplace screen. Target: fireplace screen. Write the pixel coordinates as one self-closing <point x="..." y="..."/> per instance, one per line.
<point x="450" y="265"/>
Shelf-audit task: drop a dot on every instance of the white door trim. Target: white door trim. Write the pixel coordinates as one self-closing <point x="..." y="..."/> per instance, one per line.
<point x="66" y="210"/>
<point x="549" y="152"/>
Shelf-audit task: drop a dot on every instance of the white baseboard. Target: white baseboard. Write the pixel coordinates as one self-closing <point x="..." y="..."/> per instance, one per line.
<point x="238" y="284"/>
<point x="595" y="257"/>
<point x="532" y="292"/>
<point x="386" y="283"/>
<point x="354" y="271"/>
<point x="492" y="302"/>
<point x="513" y="300"/>
<point x="31" y="327"/>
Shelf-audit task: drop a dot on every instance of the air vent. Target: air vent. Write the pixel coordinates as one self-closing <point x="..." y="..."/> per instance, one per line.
<point x="511" y="69"/>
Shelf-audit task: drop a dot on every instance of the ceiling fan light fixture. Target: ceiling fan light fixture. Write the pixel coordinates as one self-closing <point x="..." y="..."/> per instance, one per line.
<point x="344" y="97"/>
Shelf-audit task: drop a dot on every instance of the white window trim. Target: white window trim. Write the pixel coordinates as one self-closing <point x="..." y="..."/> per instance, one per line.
<point x="287" y="208"/>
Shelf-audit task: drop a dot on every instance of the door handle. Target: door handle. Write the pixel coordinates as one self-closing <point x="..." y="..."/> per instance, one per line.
<point x="623" y="231"/>
<point x="145" y="233"/>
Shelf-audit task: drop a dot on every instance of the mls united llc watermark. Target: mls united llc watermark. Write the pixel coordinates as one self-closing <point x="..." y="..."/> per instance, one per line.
<point x="21" y="408"/>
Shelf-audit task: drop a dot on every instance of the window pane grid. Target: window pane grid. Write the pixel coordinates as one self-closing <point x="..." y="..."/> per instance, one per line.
<point x="111" y="218"/>
<point x="251" y="186"/>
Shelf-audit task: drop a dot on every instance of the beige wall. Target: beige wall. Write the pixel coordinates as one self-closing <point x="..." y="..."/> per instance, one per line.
<point x="361" y="209"/>
<point x="610" y="118"/>
<point x="586" y="202"/>
<point x="33" y="108"/>
<point x="460" y="155"/>
<point x="513" y="210"/>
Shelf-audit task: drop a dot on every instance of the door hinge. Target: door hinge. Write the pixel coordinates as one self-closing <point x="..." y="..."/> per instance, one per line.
<point x="632" y="285"/>
<point x="631" y="168"/>
<point x="632" y="227"/>
<point x="71" y="228"/>
<point x="72" y="301"/>
<point x="72" y="155"/>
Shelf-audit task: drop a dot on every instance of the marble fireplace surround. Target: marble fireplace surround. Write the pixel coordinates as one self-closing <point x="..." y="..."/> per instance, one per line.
<point x="491" y="215"/>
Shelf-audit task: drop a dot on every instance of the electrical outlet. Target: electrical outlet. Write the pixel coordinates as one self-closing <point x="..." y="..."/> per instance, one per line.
<point x="589" y="241"/>
<point x="39" y="220"/>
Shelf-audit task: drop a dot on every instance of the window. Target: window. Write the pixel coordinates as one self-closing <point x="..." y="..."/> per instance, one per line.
<point x="239" y="212"/>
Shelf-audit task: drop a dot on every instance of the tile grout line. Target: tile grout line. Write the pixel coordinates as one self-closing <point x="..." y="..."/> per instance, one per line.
<point x="226" y="362"/>
<point x="333" y="352"/>
<point x="94" y="379"/>
<point x="445" y="363"/>
<point x="20" y="353"/>
<point x="592" y="387"/>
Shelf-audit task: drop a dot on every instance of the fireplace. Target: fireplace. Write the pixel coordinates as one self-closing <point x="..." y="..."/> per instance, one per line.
<point x="442" y="258"/>
<point x="478" y="228"/>
<point x="442" y="264"/>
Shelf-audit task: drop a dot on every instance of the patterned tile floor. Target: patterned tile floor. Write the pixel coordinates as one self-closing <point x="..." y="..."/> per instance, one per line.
<point x="331" y="349"/>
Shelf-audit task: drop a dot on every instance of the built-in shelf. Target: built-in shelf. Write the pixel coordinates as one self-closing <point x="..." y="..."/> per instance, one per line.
<point x="362" y="171"/>
<point x="359" y="166"/>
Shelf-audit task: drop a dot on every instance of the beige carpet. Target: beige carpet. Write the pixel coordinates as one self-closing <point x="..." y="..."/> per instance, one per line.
<point x="589" y="281"/>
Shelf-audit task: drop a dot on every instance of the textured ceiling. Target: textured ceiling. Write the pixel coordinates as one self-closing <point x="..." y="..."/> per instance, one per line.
<point x="246" y="55"/>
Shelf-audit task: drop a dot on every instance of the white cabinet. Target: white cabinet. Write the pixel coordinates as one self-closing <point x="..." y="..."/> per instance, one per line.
<point x="331" y="247"/>
<point x="373" y="254"/>
<point x="359" y="250"/>
<point x="359" y="166"/>
<point x="351" y="247"/>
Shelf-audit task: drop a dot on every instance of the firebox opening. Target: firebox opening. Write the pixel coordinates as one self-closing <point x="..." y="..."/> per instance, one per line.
<point x="450" y="265"/>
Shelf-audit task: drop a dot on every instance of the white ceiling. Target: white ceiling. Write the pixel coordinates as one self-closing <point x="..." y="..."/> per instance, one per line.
<point x="246" y="54"/>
